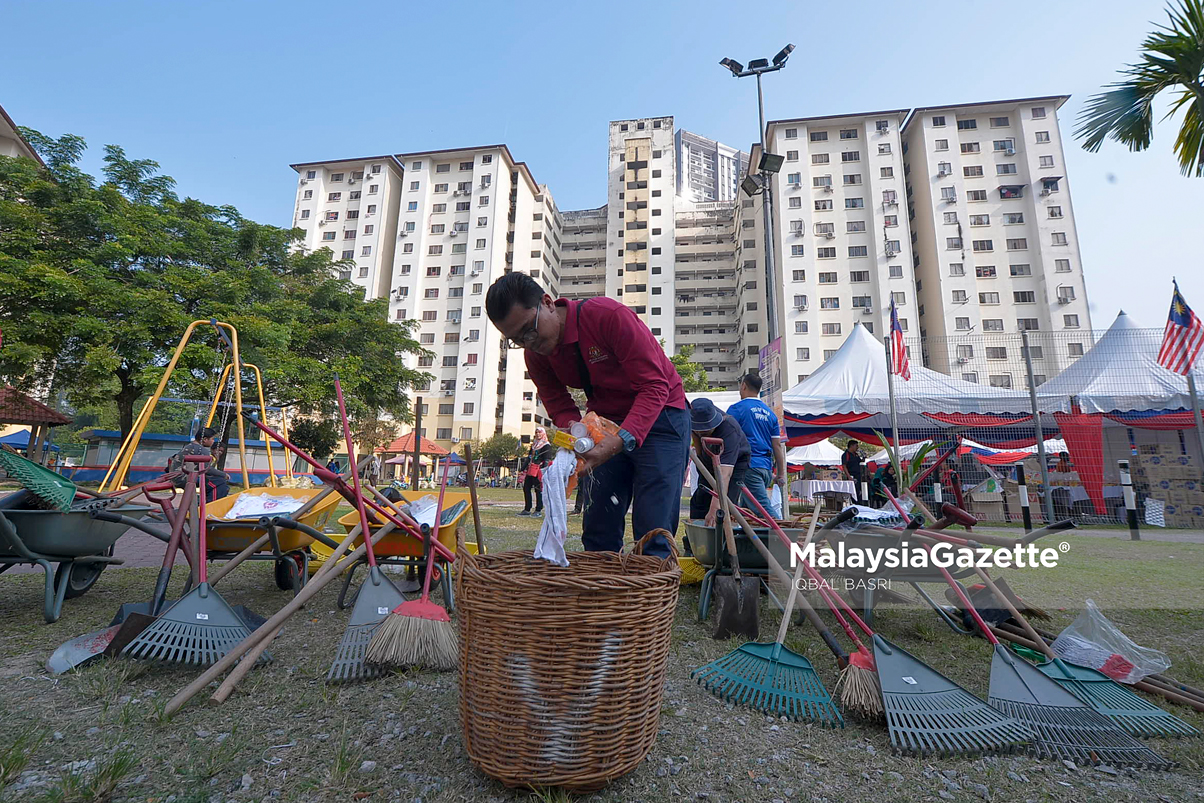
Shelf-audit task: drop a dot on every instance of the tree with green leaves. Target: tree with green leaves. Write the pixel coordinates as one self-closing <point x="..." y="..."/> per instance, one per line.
<point x="320" y="439"/>
<point x="500" y="448"/>
<point x="694" y="377"/>
<point x="1171" y="60"/>
<point x="100" y="278"/>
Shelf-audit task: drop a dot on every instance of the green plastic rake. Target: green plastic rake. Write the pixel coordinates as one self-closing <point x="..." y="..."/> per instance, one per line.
<point x="52" y="489"/>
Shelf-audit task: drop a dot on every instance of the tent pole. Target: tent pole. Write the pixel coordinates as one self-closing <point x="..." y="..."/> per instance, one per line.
<point x="894" y="418"/>
<point x="1047" y="498"/>
<point x="1195" y="410"/>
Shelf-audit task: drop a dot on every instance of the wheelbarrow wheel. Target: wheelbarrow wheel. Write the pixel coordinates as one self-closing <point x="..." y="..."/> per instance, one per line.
<point x="80" y="577"/>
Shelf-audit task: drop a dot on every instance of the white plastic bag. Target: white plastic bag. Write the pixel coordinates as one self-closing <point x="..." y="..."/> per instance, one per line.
<point x="775" y="501"/>
<point x="424" y="510"/>
<point x="1092" y="640"/>
<point x="252" y="506"/>
<point x="555" y="529"/>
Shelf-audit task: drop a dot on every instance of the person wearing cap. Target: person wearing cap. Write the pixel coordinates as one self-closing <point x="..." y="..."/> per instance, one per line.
<point x="708" y="421"/>
<point x="760" y="424"/>
<point x="217" y="482"/>
<point x="602" y="347"/>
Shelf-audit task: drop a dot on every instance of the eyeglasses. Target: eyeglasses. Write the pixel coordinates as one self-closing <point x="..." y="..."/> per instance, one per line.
<point x="529" y="335"/>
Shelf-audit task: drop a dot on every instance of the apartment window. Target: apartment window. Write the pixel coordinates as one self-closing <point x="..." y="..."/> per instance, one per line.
<point x="970" y="147"/>
<point x="433" y="271"/>
<point x="1055" y="212"/>
<point x="1013" y="218"/>
<point x="413" y="186"/>
<point x="853" y="226"/>
<point x="1000" y="122"/>
<point x="792" y="156"/>
<point x="437" y="228"/>
<point x="332" y="215"/>
<point x="890" y="221"/>
<point x="1049" y="185"/>
<point x="791" y="133"/>
<point x="889" y="197"/>
<point x="1005" y="169"/>
<point x="372" y="190"/>
<point x="1070" y="321"/>
<point x="976" y="195"/>
<point x="944" y="168"/>
<point x="1020" y="269"/>
<point x="1007" y="145"/>
<point x="434" y="250"/>
<point x="828" y="278"/>
<point x="848" y="133"/>
<point x="953" y="243"/>
<point x="972" y="171"/>
<point x="819" y="136"/>
<point x="997" y="353"/>
<point x="941" y="145"/>
<point x="405" y="270"/>
<point x="980" y="220"/>
<point x="1038" y="112"/>
<point x="961" y="324"/>
<point x="858" y="250"/>
<point x="334" y="196"/>
<point x="850" y="156"/>
<point x="886" y="172"/>
<point x="988" y="298"/>
<point x="1028" y="324"/>
<point x="824" y="205"/>
<point x="830" y="328"/>
<point x="802" y="354"/>
<point x="345" y="275"/>
<point x="409" y="227"/>
<point x="1058" y="238"/>
<point x="948" y="194"/>
<point x="431" y="292"/>
<point x="369" y="228"/>
<point x="1024" y="297"/>
<point x="1061" y="266"/>
<point x="896" y="271"/>
<point x="950" y="218"/>
<point x="799" y="276"/>
<point x="899" y="298"/>
<point x="328" y="235"/>
<point x="430" y="315"/>
<point x="796" y="250"/>
<point x="1018" y="244"/>
<point x="477" y="288"/>
<point x="938" y="121"/>
<point x="800" y="327"/>
<point x="407" y="248"/>
<point x="475" y="312"/>
<point x="483" y="200"/>
<point x="349" y="234"/>
<point x="1042" y="136"/>
<point x="348" y="254"/>
<point x="967" y="125"/>
<point x="965" y="352"/>
<point x="816" y="181"/>
<point x="1036" y="352"/>
<point x="884" y="149"/>
<point x="305" y="214"/>
<point x="446" y="168"/>
<point x="862" y="302"/>
<point x="366" y="251"/>
<point x="854" y="203"/>
<point x="1047" y="161"/>
<point x="984" y="271"/>
<point x="309" y="194"/>
<point x="1000" y="380"/>
<point x="821" y="228"/>
<point x="1066" y="294"/>
<point x="832" y="302"/>
<point x="859" y="276"/>
<point x="825" y="253"/>
<point x="992" y="324"/>
<point x="800" y="302"/>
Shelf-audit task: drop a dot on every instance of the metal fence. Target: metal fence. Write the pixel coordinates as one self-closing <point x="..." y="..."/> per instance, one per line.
<point x="1093" y="412"/>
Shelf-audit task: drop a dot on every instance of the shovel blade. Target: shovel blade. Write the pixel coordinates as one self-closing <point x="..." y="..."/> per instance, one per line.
<point x="737" y="606"/>
<point x="80" y="651"/>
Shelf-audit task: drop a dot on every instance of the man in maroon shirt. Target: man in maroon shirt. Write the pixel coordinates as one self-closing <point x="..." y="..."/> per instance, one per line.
<point x="600" y="346"/>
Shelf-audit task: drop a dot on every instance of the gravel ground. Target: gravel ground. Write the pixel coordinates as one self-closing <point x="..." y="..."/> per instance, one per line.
<point x="99" y="733"/>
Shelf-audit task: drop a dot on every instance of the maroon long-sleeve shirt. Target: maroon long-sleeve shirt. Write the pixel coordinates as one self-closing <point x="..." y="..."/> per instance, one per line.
<point x="632" y="378"/>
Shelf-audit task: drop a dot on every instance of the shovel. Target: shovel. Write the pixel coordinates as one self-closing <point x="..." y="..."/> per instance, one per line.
<point x="737" y="598"/>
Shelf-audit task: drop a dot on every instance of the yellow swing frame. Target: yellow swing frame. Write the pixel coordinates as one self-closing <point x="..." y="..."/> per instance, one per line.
<point x="119" y="470"/>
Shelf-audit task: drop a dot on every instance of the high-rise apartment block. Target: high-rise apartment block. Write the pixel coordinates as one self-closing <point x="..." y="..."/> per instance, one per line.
<point x="960" y="215"/>
<point x="708" y="170"/>
<point x="841" y="236"/>
<point x="996" y="250"/>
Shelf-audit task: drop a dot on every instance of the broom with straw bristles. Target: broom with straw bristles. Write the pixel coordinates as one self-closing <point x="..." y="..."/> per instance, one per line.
<point x="418" y="632"/>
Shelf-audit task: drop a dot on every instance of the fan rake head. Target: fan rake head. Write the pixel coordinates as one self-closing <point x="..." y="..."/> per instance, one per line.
<point x="784" y="684"/>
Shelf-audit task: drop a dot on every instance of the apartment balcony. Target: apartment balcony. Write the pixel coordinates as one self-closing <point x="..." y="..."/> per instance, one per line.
<point x="697" y="338"/>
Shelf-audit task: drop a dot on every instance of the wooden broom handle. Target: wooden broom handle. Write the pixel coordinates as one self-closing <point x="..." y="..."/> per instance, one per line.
<point x="472" y="493"/>
<point x="798" y="575"/>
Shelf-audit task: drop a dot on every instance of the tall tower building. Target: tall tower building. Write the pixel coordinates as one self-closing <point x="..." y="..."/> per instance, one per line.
<point x="842" y="248"/>
<point x="640" y="209"/>
<point x="707" y="170"/>
<point x="583" y="258"/>
<point x="996" y="249"/>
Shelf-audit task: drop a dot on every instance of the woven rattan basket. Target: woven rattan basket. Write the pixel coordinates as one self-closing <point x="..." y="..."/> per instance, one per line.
<point x="562" y="669"/>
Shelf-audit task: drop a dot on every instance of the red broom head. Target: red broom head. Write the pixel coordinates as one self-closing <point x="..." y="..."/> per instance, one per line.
<point x="862" y="660"/>
<point x="422" y="609"/>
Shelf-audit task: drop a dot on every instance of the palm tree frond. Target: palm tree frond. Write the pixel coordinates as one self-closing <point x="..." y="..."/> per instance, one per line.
<point x="1189" y="145"/>
<point x="1123" y="113"/>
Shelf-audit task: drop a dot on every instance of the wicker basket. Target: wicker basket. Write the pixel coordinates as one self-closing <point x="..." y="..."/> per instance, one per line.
<point x="562" y="669"/>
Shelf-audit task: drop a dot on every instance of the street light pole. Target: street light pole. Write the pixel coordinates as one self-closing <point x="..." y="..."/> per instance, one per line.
<point x="771" y="308"/>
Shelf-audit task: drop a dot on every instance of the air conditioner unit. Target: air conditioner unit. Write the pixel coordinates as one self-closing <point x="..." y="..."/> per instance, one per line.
<point x="322" y="222"/>
<point x="1045" y="191"/>
<point x="475" y="272"/>
<point x="827" y="188"/>
<point x="350" y="181"/>
<point x="304" y="181"/>
<point x="963" y="360"/>
<point x="449" y="393"/>
<point x="952" y="199"/>
<point x="403" y="233"/>
<point x="867" y="310"/>
<point x="890" y="253"/>
<point x="1064" y="300"/>
<point x="484" y="184"/>
<point x="831" y="235"/>
<point x="454" y="233"/>
<point x="1009" y="151"/>
<point x="942" y="173"/>
<point x="801" y="307"/>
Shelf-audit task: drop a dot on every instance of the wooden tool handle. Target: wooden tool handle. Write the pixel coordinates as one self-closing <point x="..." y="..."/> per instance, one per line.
<point x="798" y="575"/>
<point x="472" y="494"/>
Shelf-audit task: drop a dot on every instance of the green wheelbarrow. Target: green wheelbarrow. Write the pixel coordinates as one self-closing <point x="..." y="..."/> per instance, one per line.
<point x="71" y="547"/>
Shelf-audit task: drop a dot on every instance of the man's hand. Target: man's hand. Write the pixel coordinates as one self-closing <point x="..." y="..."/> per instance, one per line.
<point x="609" y="446"/>
<point x="712" y="514"/>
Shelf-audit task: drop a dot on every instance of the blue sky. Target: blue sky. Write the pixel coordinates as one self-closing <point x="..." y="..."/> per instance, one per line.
<point x="226" y="95"/>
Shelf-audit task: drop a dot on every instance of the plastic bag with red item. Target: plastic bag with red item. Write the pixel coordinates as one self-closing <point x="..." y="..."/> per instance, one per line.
<point x="1093" y="641"/>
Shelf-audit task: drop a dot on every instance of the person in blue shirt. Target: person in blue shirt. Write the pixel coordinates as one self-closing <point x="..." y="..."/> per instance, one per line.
<point x="767" y="466"/>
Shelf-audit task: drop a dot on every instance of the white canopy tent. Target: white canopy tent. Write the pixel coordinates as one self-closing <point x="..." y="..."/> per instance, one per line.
<point x="820" y="453"/>
<point x="854" y="380"/>
<point x="1119" y="373"/>
<point x="723" y="399"/>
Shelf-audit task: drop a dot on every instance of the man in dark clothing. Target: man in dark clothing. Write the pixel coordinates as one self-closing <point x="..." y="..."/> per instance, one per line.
<point x="851" y="461"/>
<point x="217" y="482"/>
<point x="602" y="347"/>
<point x="708" y="421"/>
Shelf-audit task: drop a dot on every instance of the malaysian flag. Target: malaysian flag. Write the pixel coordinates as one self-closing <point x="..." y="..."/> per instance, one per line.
<point x="1183" y="337"/>
<point x="898" y="351"/>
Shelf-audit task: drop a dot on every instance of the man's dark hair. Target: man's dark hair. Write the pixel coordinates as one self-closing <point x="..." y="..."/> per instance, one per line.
<point x="205" y="432"/>
<point x="752" y="381"/>
<point x="513" y="288"/>
<point x="851" y="443"/>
